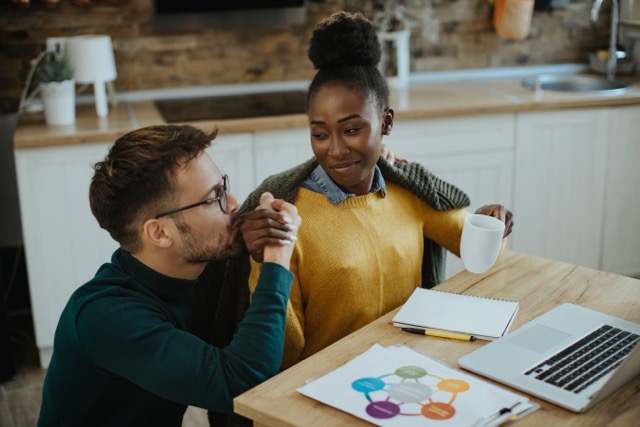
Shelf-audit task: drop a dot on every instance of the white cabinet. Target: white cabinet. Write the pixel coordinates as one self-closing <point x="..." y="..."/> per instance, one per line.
<point x="560" y="175"/>
<point x="473" y="153"/>
<point x="233" y="154"/>
<point x="621" y="240"/>
<point x="279" y="150"/>
<point x="576" y="197"/>
<point x="64" y="245"/>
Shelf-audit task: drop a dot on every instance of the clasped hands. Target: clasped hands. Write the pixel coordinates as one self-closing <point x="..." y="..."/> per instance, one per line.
<point x="270" y="230"/>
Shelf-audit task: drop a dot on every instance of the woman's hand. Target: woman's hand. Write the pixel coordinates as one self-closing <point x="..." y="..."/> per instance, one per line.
<point x="500" y="212"/>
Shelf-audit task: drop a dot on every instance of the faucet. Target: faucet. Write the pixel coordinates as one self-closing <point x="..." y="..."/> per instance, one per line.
<point x="613" y="39"/>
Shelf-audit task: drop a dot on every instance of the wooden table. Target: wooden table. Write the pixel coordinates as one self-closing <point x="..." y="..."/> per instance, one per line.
<point x="539" y="284"/>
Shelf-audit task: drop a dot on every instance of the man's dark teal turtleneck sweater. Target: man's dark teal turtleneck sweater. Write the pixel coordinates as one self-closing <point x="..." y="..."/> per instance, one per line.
<point x="124" y="354"/>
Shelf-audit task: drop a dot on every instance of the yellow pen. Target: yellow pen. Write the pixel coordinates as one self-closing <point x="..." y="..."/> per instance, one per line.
<point x="441" y="334"/>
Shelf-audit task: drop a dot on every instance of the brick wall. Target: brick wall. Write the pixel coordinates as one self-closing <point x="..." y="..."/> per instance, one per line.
<point x="146" y="60"/>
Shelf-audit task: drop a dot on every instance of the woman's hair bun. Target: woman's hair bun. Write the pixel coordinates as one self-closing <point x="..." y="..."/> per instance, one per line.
<point x="344" y="39"/>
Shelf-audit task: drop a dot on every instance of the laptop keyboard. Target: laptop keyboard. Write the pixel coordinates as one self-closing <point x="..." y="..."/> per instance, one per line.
<point x="587" y="360"/>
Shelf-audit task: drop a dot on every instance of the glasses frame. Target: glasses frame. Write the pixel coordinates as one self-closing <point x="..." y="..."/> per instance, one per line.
<point x="221" y="198"/>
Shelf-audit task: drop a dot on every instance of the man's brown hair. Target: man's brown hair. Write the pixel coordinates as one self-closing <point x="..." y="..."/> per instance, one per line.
<point x="137" y="178"/>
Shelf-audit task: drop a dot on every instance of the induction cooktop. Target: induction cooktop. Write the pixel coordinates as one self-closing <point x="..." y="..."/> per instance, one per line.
<point x="232" y="106"/>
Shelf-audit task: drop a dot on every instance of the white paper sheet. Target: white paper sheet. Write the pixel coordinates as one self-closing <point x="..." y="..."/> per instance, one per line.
<point x="399" y="387"/>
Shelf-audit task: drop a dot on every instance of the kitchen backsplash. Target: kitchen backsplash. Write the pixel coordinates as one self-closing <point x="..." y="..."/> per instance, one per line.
<point x="149" y="60"/>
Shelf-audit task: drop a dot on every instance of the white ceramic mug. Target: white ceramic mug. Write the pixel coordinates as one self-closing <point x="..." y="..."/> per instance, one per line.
<point x="481" y="242"/>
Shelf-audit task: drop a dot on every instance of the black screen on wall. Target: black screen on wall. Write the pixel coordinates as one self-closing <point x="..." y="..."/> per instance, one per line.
<point x="196" y="15"/>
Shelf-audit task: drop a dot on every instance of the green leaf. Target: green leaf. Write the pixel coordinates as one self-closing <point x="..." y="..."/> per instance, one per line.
<point x="54" y="68"/>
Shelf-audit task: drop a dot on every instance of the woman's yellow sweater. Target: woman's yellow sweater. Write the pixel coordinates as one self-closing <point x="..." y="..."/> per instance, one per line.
<point x="356" y="261"/>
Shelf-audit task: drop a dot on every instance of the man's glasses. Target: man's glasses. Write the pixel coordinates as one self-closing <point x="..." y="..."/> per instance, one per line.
<point x="221" y="198"/>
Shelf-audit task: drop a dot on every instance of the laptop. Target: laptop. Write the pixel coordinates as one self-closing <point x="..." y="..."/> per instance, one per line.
<point x="571" y="356"/>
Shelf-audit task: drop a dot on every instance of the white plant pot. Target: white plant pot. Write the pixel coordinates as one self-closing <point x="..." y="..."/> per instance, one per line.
<point x="59" y="100"/>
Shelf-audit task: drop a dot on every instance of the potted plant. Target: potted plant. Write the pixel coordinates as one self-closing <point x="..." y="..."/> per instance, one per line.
<point x="402" y="15"/>
<point x="58" y="89"/>
<point x="394" y="20"/>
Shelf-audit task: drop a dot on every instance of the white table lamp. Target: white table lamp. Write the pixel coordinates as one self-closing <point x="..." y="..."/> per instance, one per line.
<point x="91" y="58"/>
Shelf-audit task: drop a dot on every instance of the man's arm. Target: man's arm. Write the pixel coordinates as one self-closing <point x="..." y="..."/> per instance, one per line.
<point x="278" y="250"/>
<point x="152" y="353"/>
<point x="294" y="338"/>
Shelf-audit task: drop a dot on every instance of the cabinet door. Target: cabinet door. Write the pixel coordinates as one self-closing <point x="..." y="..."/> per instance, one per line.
<point x="560" y="175"/>
<point x="279" y="150"/>
<point x="64" y="244"/>
<point x="621" y="247"/>
<point x="233" y="154"/>
<point x="473" y="153"/>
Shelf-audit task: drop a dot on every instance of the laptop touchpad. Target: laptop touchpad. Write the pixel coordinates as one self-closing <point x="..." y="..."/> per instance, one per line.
<point x="539" y="338"/>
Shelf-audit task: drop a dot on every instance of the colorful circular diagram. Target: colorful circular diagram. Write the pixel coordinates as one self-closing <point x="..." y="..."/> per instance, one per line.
<point x="411" y="388"/>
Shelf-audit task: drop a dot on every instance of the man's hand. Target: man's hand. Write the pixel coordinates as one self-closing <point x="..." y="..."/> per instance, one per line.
<point x="281" y="251"/>
<point x="390" y="156"/>
<point x="500" y="212"/>
<point x="273" y="223"/>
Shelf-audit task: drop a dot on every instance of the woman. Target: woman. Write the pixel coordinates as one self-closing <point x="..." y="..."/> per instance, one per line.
<point x="373" y="230"/>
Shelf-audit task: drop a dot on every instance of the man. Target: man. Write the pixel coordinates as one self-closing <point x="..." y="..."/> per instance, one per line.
<point x="126" y="350"/>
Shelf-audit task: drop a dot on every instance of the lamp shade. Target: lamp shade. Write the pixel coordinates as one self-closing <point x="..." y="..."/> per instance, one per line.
<point x="91" y="58"/>
<point x="92" y="61"/>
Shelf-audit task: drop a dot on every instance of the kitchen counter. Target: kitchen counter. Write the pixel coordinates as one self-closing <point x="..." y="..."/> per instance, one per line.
<point x="420" y="100"/>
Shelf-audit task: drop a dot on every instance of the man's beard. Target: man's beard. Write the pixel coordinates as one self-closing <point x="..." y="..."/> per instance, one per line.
<point x="198" y="251"/>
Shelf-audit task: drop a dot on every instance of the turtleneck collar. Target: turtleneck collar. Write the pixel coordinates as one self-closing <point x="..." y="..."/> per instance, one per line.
<point x="150" y="278"/>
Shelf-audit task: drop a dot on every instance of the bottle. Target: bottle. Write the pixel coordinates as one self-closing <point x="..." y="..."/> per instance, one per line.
<point x="512" y="18"/>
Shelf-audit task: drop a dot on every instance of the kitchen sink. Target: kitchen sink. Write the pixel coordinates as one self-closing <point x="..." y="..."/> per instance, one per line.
<point x="578" y="83"/>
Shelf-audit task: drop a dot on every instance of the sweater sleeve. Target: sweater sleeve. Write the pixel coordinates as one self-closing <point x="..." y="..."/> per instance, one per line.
<point x="294" y="338"/>
<point x="444" y="227"/>
<point x="139" y="344"/>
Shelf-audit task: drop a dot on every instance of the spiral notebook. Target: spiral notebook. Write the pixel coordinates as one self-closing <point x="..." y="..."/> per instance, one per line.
<point x="481" y="317"/>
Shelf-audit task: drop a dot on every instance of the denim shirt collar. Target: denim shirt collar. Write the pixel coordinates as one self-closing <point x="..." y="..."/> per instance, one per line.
<point x="319" y="181"/>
